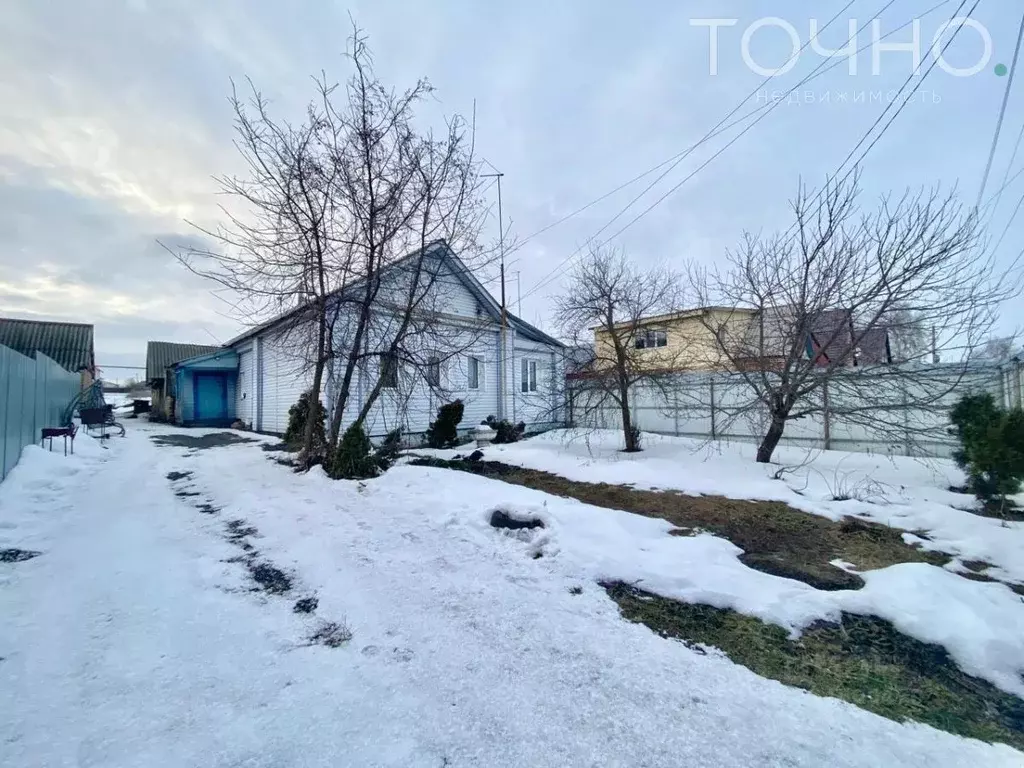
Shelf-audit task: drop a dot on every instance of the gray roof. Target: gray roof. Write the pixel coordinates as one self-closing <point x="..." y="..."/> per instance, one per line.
<point x="70" y="345"/>
<point x="162" y="354"/>
<point x="464" y="274"/>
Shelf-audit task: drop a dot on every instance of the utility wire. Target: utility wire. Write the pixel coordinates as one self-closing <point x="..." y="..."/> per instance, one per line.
<point x="906" y="101"/>
<point x="713" y="133"/>
<point x="1002" y="115"/>
<point x="818" y="71"/>
<point x="1008" y="224"/>
<point x="896" y="114"/>
<point x="719" y="128"/>
<point x="685" y="153"/>
<point x="559" y="268"/>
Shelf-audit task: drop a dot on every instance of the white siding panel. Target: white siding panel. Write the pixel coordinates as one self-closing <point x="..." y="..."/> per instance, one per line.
<point x="282" y="380"/>
<point x="449" y="293"/>
<point x="544" y="406"/>
<point x="245" y="399"/>
<point x="456" y="299"/>
<point x="413" y="405"/>
<point x="483" y="402"/>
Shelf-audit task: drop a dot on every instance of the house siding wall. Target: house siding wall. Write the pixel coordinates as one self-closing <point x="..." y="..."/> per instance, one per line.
<point x="245" y="394"/>
<point x="282" y="379"/>
<point x="278" y="377"/>
<point x="544" y="406"/>
<point x="414" y="404"/>
<point x="184" y="407"/>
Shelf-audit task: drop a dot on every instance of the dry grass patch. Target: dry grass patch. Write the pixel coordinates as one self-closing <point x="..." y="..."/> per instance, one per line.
<point x="863" y="660"/>
<point x="774" y="537"/>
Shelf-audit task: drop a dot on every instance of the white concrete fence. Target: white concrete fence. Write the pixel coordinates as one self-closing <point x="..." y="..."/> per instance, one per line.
<point x="879" y="412"/>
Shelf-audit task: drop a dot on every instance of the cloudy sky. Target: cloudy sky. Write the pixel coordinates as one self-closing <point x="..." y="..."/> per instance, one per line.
<point x="113" y="119"/>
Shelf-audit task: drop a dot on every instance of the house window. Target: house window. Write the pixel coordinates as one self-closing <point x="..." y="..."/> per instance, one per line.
<point x="528" y="380"/>
<point x="476" y="367"/>
<point x="433" y="373"/>
<point x="651" y="339"/>
<point x="389" y="371"/>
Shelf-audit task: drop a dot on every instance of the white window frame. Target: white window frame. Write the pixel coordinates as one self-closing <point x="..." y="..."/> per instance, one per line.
<point x="652" y="339"/>
<point x="528" y="376"/>
<point x="472" y="360"/>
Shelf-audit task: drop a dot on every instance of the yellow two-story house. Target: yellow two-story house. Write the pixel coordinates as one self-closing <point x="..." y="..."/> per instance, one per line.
<point x="679" y="341"/>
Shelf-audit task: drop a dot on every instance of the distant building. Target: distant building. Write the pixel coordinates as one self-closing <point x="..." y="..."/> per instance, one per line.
<point x="161" y="356"/>
<point x="679" y="341"/>
<point x="692" y="340"/>
<point x="70" y="345"/>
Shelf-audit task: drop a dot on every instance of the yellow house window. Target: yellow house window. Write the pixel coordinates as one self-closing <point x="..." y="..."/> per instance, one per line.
<point x="651" y="339"/>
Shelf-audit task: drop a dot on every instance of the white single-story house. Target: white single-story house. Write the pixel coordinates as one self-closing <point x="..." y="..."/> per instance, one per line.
<point x="462" y="335"/>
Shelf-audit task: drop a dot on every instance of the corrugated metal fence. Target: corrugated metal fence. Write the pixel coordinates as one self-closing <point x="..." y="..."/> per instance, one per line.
<point x="880" y="415"/>
<point x="33" y="394"/>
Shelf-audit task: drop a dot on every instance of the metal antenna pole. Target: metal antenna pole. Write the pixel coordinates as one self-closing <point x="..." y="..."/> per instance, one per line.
<point x="502" y="373"/>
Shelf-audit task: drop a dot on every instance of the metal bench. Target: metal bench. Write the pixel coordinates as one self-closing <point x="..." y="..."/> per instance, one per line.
<point x="48" y="433"/>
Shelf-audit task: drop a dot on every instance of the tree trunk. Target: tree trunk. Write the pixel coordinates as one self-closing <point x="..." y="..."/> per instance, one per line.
<point x="306" y="455"/>
<point x="627" y="420"/>
<point x="342" y="399"/>
<point x="771" y="439"/>
<point x="351" y="361"/>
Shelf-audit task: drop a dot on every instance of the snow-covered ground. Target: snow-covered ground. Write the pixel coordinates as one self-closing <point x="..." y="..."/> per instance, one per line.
<point x="132" y="640"/>
<point x="905" y="493"/>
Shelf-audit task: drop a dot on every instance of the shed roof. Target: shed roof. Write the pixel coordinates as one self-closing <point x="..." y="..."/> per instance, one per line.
<point x="162" y="354"/>
<point x="226" y="354"/>
<point x="70" y="345"/>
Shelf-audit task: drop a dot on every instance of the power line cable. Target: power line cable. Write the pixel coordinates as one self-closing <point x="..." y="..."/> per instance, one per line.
<point x="560" y="268"/>
<point x="1009" y="223"/>
<point x="714" y="133"/>
<point x="719" y="128"/>
<point x="1002" y="115"/>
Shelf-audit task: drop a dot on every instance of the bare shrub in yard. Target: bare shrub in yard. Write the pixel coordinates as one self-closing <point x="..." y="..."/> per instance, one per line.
<point x="505" y="431"/>
<point x="387" y="452"/>
<point x="851" y="487"/>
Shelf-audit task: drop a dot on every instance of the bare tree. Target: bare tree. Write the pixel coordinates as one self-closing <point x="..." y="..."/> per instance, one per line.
<point x="279" y="247"/>
<point x="909" y="339"/>
<point x="997" y="349"/>
<point x="810" y="311"/>
<point x="342" y="221"/>
<point x="403" y="192"/>
<point x="613" y="305"/>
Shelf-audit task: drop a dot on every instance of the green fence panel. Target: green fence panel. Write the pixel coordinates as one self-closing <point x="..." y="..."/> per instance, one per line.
<point x="34" y="393"/>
